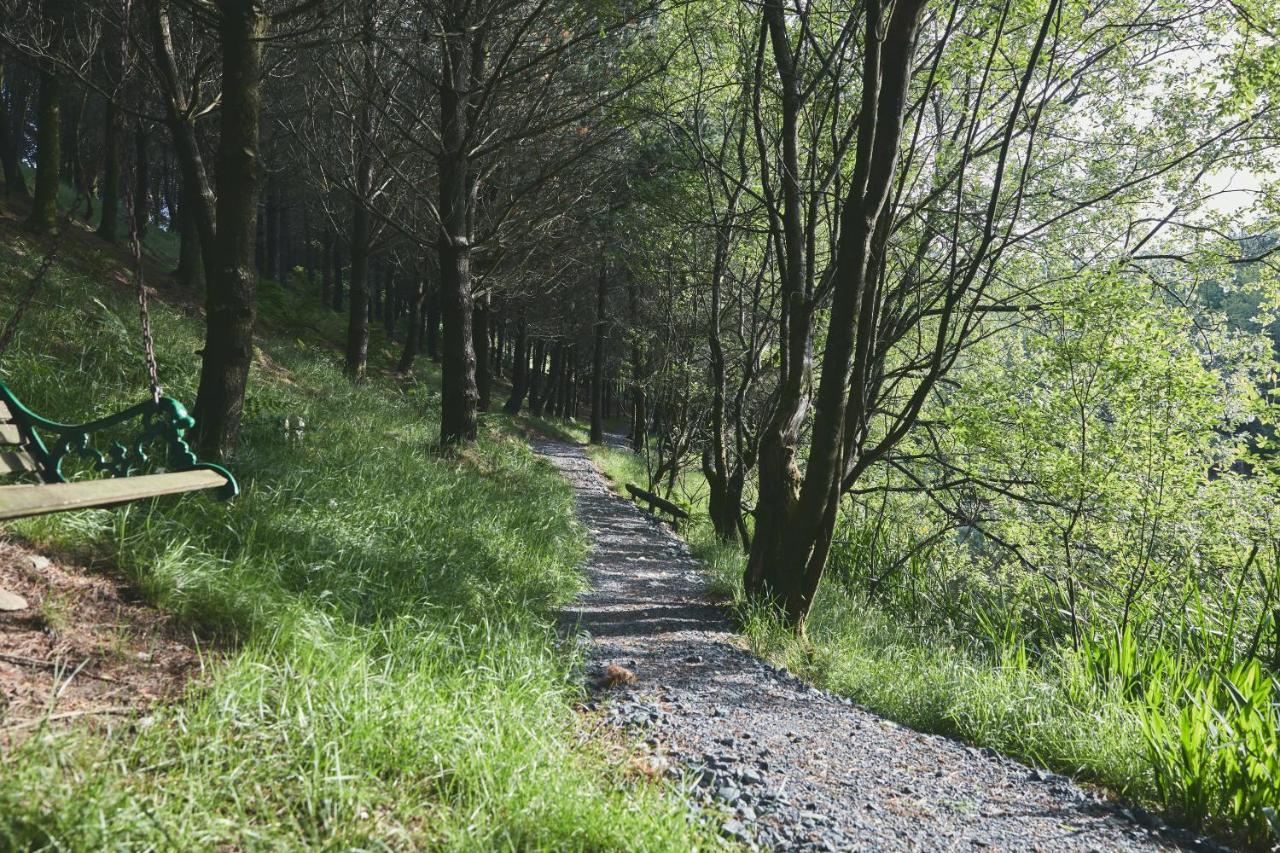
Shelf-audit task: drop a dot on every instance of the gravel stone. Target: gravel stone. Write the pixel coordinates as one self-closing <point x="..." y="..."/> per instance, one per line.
<point x="837" y="777"/>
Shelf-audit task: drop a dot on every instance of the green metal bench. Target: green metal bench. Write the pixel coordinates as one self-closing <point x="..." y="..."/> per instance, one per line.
<point x="32" y="446"/>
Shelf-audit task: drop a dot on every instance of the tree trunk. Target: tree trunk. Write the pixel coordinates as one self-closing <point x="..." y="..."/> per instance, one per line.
<point x="337" y="276"/>
<point x="413" y="335"/>
<point x="779" y="477"/>
<point x="597" y="357"/>
<point x="190" y="270"/>
<point x="326" y="269"/>
<point x="537" y="373"/>
<point x="539" y="404"/>
<point x="793" y="554"/>
<point x="230" y="304"/>
<point x="519" y="371"/>
<point x="13" y="121"/>
<point x="141" y="179"/>
<point x="431" y="319"/>
<point x="498" y="361"/>
<point x="75" y="156"/>
<point x="357" y="352"/>
<point x="308" y="247"/>
<point x="458" y="392"/>
<point x="358" y="315"/>
<point x="284" y="253"/>
<point x="480" y="319"/>
<point x="44" y="203"/>
<point x="108" y="227"/>
<point x="639" y="405"/>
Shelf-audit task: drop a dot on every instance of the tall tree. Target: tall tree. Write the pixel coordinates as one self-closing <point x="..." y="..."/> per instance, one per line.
<point x="44" y="201"/>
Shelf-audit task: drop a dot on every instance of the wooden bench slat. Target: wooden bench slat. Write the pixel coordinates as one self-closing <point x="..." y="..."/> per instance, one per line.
<point x="5" y="417"/>
<point x="9" y="434"/>
<point x="21" y="501"/>
<point x="17" y="462"/>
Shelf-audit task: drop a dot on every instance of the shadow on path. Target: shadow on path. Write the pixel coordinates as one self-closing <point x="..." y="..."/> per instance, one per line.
<point x="795" y="767"/>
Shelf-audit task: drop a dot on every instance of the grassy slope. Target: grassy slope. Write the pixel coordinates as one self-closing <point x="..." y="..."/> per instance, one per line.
<point x="392" y="677"/>
<point x="1053" y="712"/>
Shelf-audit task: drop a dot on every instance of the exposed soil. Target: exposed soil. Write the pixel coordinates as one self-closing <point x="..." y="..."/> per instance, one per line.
<point x="783" y="764"/>
<point x="85" y="651"/>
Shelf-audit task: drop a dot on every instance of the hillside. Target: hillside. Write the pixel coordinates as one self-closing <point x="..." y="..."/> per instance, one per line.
<point x="373" y="620"/>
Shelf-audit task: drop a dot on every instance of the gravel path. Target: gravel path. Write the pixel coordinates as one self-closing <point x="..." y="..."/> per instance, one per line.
<point x="793" y="767"/>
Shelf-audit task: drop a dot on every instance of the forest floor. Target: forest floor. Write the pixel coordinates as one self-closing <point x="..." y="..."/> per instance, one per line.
<point x="791" y="766"/>
<point x="84" y="649"/>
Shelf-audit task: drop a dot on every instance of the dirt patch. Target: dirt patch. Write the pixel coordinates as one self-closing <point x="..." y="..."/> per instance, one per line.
<point x="85" y="651"/>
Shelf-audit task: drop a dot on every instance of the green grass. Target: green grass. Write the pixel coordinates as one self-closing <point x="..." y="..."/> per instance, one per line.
<point x="381" y="665"/>
<point x="1199" y="744"/>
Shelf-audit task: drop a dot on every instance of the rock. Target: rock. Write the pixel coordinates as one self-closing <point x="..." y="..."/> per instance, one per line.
<point x="11" y="601"/>
<point x="728" y="794"/>
<point x="39" y="562"/>
<point x="736" y="829"/>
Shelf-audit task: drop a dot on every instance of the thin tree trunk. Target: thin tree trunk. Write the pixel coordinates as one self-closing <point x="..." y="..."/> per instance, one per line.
<point x="537" y="373"/>
<point x="500" y="348"/>
<point x="480" y="319"/>
<point x="414" y="316"/>
<point x="538" y="405"/>
<point x="575" y="393"/>
<point x="390" y="299"/>
<point x="44" y="203"/>
<point x="190" y="270"/>
<point x="639" y="405"/>
<point x="519" y="371"/>
<point x="432" y="323"/>
<point x="326" y="269"/>
<point x="308" y="247"/>
<point x="357" y="352"/>
<point x="13" y="121"/>
<point x="337" y="276"/>
<point x="358" y="314"/>
<point x="108" y="227"/>
<point x="75" y="156"/>
<point x="230" y="302"/>
<point x="141" y="179"/>
<point x="597" y="357"/>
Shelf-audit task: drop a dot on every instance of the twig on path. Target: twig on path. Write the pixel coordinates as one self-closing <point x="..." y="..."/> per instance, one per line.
<point x="67" y="715"/>
<point x="55" y="665"/>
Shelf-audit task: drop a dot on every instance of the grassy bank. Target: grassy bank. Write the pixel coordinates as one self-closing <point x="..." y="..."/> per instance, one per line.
<point x="381" y="671"/>
<point x="1171" y="731"/>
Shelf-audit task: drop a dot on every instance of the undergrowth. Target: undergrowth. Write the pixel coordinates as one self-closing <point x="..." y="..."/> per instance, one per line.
<point x="381" y="668"/>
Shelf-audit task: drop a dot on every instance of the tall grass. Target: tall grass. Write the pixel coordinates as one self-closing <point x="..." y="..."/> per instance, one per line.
<point x="381" y="665"/>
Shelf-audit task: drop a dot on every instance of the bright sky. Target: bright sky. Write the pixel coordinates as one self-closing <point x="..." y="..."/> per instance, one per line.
<point x="1238" y="189"/>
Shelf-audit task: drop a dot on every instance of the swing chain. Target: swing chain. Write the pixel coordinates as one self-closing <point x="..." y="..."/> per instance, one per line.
<point x="148" y="343"/>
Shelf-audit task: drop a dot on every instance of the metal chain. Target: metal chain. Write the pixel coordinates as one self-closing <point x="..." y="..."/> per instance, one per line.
<point x="148" y="343"/>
